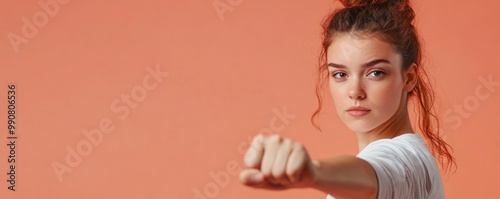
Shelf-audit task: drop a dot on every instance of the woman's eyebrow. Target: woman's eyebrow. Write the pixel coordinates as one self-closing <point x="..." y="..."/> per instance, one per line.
<point x="375" y="62"/>
<point x="368" y="64"/>
<point x="336" y="65"/>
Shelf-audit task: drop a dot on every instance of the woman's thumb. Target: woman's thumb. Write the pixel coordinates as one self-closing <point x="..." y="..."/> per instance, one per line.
<point x="251" y="177"/>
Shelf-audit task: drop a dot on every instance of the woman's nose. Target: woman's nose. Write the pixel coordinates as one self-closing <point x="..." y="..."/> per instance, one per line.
<point x="356" y="91"/>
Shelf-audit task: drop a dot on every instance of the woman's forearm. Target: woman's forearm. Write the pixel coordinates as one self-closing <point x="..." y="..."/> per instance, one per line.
<point x="345" y="177"/>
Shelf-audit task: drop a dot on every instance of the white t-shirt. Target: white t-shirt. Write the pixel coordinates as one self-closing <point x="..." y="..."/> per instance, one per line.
<point x="405" y="168"/>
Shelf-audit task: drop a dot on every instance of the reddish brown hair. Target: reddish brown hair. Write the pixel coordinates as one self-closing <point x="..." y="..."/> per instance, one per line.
<point x="392" y="21"/>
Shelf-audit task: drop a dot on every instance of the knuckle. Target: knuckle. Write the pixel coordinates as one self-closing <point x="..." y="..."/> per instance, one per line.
<point x="251" y="152"/>
<point x="258" y="138"/>
<point x="287" y="142"/>
<point x="273" y="139"/>
<point x="250" y="157"/>
<point x="257" y="142"/>
<point x="298" y="146"/>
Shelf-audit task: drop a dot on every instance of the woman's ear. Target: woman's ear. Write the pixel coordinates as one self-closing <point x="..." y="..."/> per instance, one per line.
<point x="410" y="77"/>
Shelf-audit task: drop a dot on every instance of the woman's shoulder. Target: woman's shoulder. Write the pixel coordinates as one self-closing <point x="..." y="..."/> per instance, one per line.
<point x="404" y="151"/>
<point x="404" y="166"/>
<point x="408" y="142"/>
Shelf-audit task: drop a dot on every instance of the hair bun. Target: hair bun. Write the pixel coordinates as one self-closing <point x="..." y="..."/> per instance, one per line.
<point x="354" y="3"/>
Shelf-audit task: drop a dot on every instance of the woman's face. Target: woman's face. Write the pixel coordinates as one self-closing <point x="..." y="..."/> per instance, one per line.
<point x="365" y="80"/>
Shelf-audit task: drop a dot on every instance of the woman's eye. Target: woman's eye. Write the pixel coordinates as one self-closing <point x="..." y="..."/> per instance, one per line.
<point x="376" y="73"/>
<point x="339" y="75"/>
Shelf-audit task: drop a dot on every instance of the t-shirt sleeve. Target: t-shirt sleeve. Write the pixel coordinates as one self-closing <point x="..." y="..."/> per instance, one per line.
<point x="400" y="172"/>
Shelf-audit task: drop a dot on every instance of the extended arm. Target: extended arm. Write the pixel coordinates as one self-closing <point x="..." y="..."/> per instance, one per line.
<point x="280" y="163"/>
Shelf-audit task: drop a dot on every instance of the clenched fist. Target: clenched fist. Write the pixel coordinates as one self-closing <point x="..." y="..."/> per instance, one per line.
<point x="275" y="162"/>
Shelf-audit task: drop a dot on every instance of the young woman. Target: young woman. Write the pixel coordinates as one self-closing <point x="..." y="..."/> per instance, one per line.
<point x="371" y="60"/>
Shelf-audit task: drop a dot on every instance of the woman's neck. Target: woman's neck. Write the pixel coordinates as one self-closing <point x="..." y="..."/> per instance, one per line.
<point x="397" y="125"/>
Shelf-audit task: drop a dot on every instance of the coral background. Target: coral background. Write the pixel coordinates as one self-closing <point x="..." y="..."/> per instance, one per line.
<point x="232" y="72"/>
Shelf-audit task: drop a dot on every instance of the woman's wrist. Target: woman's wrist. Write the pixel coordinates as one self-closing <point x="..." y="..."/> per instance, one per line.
<point x="316" y="170"/>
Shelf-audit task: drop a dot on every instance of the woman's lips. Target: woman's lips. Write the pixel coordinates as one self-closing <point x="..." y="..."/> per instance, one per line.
<point x="357" y="111"/>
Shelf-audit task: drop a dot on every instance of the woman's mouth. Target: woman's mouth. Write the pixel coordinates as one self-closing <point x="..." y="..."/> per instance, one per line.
<point x="357" y="111"/>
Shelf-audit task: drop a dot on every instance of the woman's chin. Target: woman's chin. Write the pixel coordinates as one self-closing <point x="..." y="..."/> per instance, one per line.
<point x="360" y="127"/>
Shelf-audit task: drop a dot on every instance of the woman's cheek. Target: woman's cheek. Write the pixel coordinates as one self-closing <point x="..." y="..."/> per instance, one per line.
<point x="340" y="99"/>
<point x="389" y="97"/>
